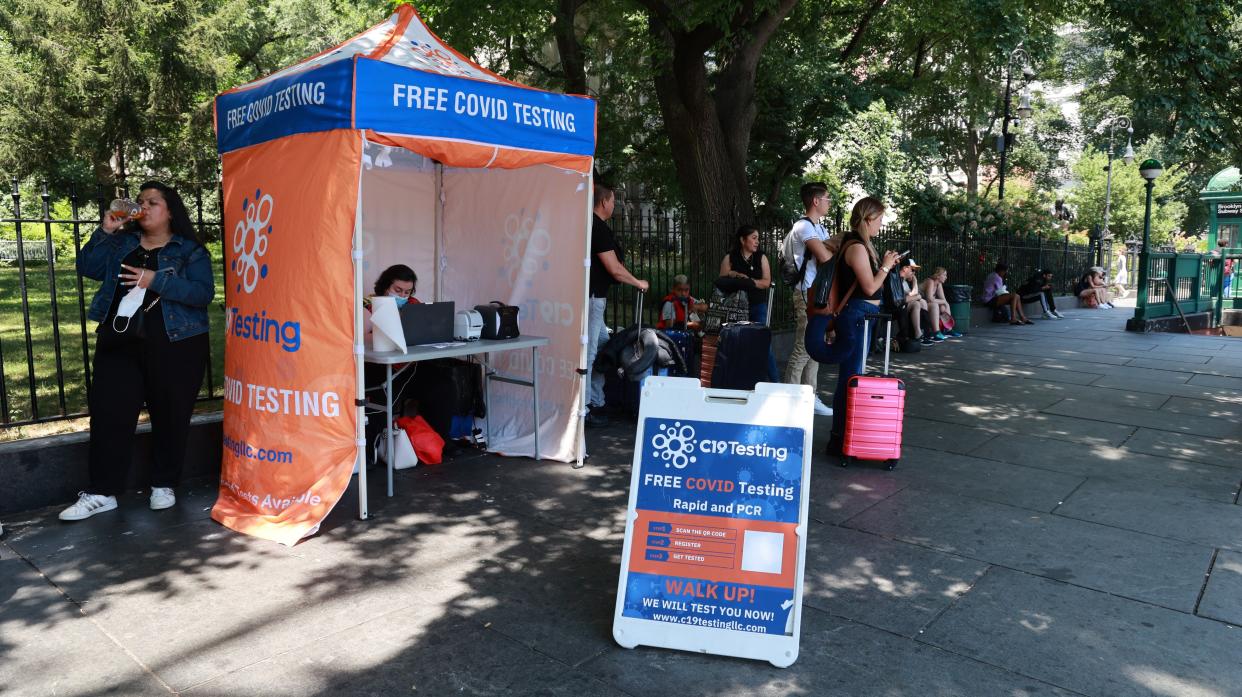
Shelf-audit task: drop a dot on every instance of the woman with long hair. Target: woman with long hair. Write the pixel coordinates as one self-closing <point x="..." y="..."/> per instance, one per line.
<point x="746" y="260"/>
<point x="1092" y="290"/>
<point x="152" y="344"/>
<point x="859" y="281"/>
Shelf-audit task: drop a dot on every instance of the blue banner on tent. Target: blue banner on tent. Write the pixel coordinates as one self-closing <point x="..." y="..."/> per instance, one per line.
<point x="399" y="100"/>
<point x="316" y="100"/>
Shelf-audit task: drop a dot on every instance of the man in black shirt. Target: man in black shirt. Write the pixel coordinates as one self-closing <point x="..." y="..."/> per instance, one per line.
<point x="606" y="268"/>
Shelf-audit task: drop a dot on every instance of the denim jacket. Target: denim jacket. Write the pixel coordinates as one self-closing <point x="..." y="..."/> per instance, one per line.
<point x="184" y="280"/>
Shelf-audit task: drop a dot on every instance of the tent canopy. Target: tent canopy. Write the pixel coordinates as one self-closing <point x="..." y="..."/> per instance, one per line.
<point x="402" y="84"/>
<point x="492" y="202"/>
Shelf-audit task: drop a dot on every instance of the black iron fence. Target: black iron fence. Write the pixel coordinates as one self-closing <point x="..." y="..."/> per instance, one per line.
<point x="659" y="245"/>
<point x="45" y="337"/>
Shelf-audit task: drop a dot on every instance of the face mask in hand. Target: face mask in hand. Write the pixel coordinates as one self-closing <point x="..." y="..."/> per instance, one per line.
<point x="129" y="305"/>
<point x="401" y="300"/>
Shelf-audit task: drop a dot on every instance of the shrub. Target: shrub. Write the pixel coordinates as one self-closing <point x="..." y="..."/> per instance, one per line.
<point x="979" y="218"/>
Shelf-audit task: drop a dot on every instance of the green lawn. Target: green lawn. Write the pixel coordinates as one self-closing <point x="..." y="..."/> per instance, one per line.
<point x="43" y="341"/>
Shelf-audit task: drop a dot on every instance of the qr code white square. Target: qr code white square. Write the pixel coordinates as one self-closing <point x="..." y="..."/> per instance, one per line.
<point x="763" y="551"/>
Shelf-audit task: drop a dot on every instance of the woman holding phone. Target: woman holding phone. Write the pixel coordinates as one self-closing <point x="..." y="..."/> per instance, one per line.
<point x="859" y="280"/>
<point x="152" y="345"/>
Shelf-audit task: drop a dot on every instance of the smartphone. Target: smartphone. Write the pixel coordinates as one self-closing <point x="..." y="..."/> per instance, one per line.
<point x="904" y="254"/>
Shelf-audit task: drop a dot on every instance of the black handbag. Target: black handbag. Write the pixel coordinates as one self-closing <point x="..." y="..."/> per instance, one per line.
<point x="822" y="285"/>
<point x="500" y="321"/>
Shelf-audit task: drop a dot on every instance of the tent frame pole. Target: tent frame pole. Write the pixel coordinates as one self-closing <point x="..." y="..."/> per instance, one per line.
<point x="441" y="263"/>
<point x="580" y="440"/>
<point x="359" y="349"/>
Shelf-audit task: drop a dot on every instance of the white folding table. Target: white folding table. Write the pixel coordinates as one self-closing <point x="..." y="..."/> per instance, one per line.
<point x="482" y="347"/>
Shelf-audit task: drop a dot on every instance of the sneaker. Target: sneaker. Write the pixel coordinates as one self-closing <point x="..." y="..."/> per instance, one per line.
<point x="927" y="341"/>
<point x="1058" y="315"/>
<point x="1107" y="306"/>
<point x="88" y="505"/>
<point x="822" y="409"/>
<point x="955" y="334"/>
<point x="1049" y="315"/>
<point x="162" y="497"/>
<point x="939" y="337"/>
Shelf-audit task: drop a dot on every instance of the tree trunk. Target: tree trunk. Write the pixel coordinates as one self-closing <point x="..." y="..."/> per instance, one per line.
<point x="573" y="63"/>
<point x="970" y="163"/>
<point x="709" y="119"/>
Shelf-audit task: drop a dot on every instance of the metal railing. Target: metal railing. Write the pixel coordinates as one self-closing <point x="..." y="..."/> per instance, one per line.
<point x="46" y="340"/>
<point x="1188" y="278"/>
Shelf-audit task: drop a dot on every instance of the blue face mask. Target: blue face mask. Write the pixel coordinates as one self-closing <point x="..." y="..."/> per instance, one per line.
<point x="400" y="300"/>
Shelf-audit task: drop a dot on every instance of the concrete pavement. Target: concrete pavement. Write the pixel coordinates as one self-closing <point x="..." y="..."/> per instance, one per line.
<point x="1065" y="521"/>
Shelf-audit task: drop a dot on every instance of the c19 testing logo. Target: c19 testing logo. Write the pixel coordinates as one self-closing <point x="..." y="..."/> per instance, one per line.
<point x="250" y="241"/>
<point x="526" y="247"/>
<point x="674" y="444"/>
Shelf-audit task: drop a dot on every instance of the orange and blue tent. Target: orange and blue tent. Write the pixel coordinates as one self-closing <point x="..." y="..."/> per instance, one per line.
<point x="389" y="148"/>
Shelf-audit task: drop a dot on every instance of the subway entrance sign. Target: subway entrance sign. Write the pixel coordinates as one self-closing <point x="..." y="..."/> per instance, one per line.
<point x="715" y="537"/>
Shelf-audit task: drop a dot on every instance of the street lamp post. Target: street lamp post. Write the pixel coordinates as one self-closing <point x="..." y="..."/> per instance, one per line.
<point x="1149" y="169"/>
<point x="1113" y="122"/>
<point x="1024" y="109"/>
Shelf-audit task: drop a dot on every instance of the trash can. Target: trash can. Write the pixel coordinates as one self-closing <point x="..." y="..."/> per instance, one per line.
<point x="959" y="306"/>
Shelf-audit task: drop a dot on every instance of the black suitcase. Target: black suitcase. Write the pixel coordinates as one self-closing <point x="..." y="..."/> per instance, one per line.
<point x="741" y="355"/>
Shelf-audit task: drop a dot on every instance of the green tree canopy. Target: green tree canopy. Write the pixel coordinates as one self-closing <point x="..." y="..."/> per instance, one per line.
<point x="1128" y="201"/>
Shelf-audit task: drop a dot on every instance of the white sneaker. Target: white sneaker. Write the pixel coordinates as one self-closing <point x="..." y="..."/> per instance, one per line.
<point x="1058" y="314"/>
<point x="1049" y="315"/>
<point x="1106" y="306"/>
<point x="88" y="505"/>
<point x="162" y="497"/>
<point x="822" y="409"/>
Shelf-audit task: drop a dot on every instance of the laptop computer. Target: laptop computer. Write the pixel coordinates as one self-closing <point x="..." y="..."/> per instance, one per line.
<point x="427" y="323"/>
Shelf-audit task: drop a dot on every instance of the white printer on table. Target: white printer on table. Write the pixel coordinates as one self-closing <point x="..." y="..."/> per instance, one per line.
<point x="467" y="325"/>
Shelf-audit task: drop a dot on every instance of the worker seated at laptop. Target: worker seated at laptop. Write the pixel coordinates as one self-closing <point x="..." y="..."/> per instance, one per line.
<point x="398" y="281"/>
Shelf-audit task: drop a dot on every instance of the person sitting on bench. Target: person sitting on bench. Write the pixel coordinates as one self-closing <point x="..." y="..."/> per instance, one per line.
<point x="679" y="310"/>
<point x="933" y="291"/>
<point x="1092" y="291"/>
<point x="924" y="316"/>
<point x="997" y="296"/>
<point x="1039" y="287"/>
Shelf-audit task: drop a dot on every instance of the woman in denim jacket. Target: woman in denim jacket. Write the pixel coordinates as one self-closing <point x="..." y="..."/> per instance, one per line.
<point x="152" y="344"/>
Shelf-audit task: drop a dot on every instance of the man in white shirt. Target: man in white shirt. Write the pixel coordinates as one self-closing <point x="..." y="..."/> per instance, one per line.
<point x="809" y="238"/>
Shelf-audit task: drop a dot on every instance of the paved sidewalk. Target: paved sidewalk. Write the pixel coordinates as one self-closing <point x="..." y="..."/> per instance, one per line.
<point x="1065" y="521"/>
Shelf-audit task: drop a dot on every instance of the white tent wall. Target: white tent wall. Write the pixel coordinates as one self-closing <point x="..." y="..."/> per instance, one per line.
<point x="398" y="217"/>
<point x="520" y="236"/>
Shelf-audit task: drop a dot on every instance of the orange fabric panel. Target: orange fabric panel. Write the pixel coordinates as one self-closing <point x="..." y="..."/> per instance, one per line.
<point x="456" y="153"/>
<point x="290" y="381"/>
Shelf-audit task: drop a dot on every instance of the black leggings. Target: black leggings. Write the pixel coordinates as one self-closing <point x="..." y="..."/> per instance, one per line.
<point x="166" y="376"/>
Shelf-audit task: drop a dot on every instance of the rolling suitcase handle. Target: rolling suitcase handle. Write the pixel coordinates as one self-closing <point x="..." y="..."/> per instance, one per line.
<point x="638" y="318"/>
<point x="888" y="339"/>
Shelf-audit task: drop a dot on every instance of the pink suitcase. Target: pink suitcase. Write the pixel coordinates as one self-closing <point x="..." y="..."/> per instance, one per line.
<point x="875" y="406"/>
